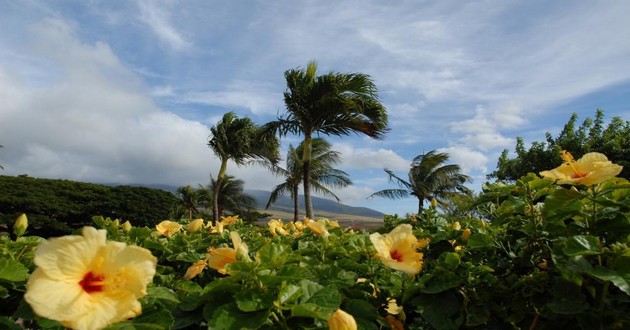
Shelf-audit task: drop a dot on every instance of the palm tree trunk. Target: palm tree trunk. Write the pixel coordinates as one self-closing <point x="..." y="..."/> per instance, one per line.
<point x="420" y="205"/>
<point x="217" y="190"/>
<point x="296" y="203"/>
<point x="306" y="158"/>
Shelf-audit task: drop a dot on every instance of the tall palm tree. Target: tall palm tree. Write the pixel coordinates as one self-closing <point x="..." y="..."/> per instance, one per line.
<point x="188" y="199"/>
<point x="331" y="104"/>
<point x="322" y="173"/>
<point x="231" y="197"/>
<point x="239" y="140"/>
<point x="428" y="179"/>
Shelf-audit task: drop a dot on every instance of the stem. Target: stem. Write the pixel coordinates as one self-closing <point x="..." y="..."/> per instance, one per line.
<point x="534" y="322"/>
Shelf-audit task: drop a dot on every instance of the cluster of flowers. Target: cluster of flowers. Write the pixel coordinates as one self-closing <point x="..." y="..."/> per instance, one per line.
<point x="87" y="282"/>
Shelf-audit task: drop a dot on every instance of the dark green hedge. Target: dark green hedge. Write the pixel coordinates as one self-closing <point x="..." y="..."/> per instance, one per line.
<point x="57" y="207"/>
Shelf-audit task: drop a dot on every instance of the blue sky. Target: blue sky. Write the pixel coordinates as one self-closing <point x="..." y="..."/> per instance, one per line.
<point x="125" y="91"/>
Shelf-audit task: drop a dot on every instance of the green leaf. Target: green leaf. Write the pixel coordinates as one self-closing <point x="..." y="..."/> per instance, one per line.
<point x="567" y="299"/>
<point x="619" y="280"/>
<point x="251" y="301"/>
<point x="479" y="241"/>
<point x="316" y="301"/>
<point x="289" y="293"/>
<point x="561" y="204"/>
<point x="12" y="271"/>
<point x="8" y="324"/>
<point x="274" y="255"/>
<point x="229" y="317"/>
<point x="440" y="310"/>
<point x="580" y="245"/>
<point x="440" y="280"/>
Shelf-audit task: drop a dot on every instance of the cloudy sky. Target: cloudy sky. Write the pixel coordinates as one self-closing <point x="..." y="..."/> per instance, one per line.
<point x="125" y="91"/>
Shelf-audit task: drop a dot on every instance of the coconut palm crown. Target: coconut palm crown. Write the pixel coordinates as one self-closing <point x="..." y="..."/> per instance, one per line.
<point x="331" y="104"/>
<point x="428" y="179"/>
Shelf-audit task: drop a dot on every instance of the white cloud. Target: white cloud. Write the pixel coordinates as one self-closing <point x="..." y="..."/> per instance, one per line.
<point x="158" y="20"/>
<point x="364" y="158"/>
<point x="468" y="159"/>
<point x="93" y="122"/>
<point x="255" y="97"/>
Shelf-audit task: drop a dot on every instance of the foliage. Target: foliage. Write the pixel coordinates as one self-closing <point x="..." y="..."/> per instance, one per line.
<point x="542" y="256"/>
<point x="591" y="136"/>
<point x="322" y="173"/>
<point x="330" y="104"/>
<point x="239" y="140"/>
<point x="428" y="179"/>
<point x="56" y="207"/>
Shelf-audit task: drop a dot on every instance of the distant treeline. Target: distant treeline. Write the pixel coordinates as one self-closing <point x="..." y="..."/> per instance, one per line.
<point x="57" y="207"/>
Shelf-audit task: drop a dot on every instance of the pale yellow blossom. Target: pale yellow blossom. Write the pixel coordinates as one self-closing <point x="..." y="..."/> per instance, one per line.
<point x="195" y="269"/>
<point x="340" y="320"/>
<point x="275" y="228"/>
<point x="398" y="249"/>
<point x="126" y="227"/>
<point x="86" y="282"/>
<point x="195" y="225"/>
<point x="219" y="258"/>
<point x="592" y="168"/>
<point x="392" y="307"/>
<point x="226" y="221"/>
<point x="318" y="227"/>
<point x="168" y="228"/>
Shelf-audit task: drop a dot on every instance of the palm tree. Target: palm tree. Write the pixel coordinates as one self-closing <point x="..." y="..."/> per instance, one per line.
<point x="428" y="179"/>
<point x="322" y="173"/>
<point x="331" y="104"/>
<point x="239" y="140"/>
<point x="231" y="196"/>
<point x="189" y="200"/>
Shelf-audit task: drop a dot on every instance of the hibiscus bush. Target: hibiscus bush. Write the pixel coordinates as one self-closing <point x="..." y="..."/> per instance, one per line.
<point x="537" y="254"/>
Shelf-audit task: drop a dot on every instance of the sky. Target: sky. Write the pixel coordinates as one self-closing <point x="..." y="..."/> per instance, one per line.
<point x="126" y="91"/>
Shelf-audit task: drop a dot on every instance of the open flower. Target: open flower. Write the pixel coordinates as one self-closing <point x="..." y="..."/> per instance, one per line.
<point x="168" y="228"/>
<point x="226" y="221"/>
<point x="219" y="258"/>
<point x="85" y="282"/>
<point x="275" y="228"/>
<point x="195" y="225"/>
<point x="340" y="320"/>
<point x="318" y="227"/>
<point x="592" y="168"/>
<point x="398" y="249"/>
<point x="195" y="269"/>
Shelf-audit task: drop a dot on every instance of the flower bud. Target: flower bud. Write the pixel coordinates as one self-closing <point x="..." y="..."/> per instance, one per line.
<point x="340" y="320"/>
<point x="21" y="223"/>
<point x="433" y="203"/>
<point x="457" y="226"/>
<point x="465" y="234"/>
<point x="126" y="227"/>
<point x="116" y="223"/>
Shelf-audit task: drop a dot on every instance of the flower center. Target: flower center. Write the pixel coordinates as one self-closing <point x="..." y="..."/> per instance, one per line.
<point x="568" y="158"/>
<point x="396" y="255"/>
<point x="92" y="283"/>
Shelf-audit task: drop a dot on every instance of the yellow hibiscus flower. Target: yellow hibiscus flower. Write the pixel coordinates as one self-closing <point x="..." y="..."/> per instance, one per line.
<point x="195" y="225"/>
<point x="195" y="269"/>
<point x="340" y="320"/>
<point x="85" y="282"/>
<point x="219" y="258"/>
<point x="226" y="221"/>
<point x="318" y="227"/>
<point x="275" y="228"/>
<point x="592" y="168"/>
<point x="398" y="249"/>
<point x="168" y="228"/>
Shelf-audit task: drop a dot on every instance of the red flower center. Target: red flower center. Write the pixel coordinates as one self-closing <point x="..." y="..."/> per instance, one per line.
<point x="396" y="255"/>
<point x="92" y="283"/>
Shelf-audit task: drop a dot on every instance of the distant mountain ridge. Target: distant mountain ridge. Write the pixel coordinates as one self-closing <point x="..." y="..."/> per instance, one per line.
<point x="284" y="204"/>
